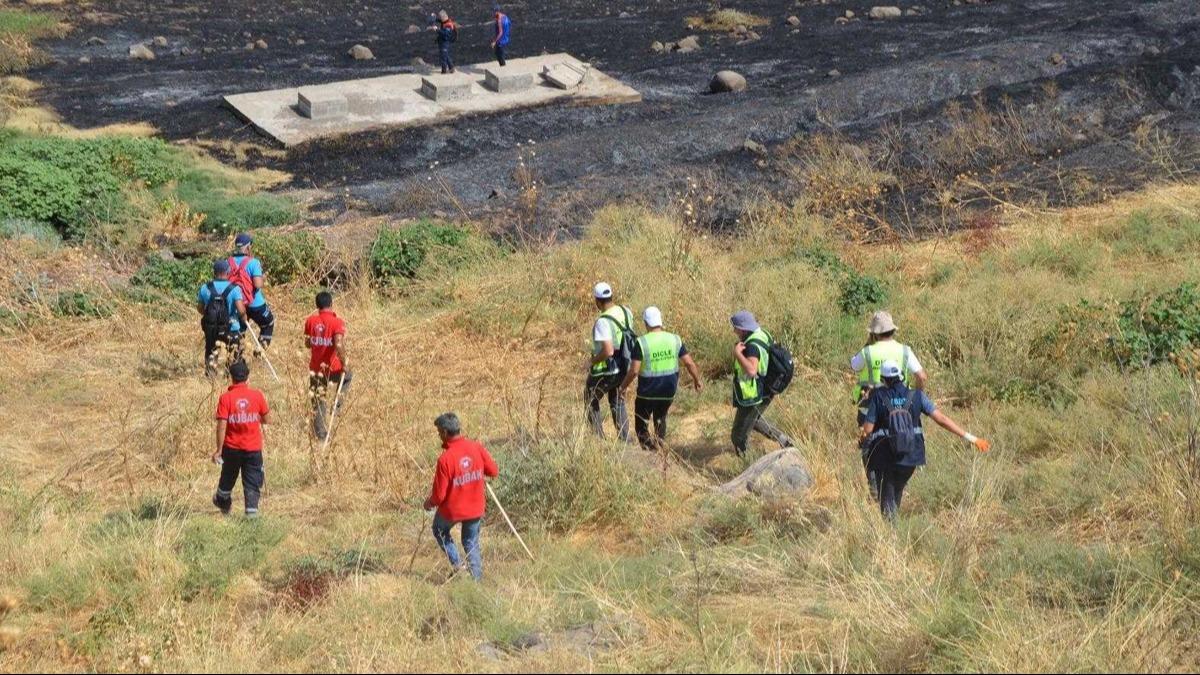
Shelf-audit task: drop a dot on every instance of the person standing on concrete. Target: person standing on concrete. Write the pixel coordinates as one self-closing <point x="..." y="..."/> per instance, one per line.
<point x="247" y="272"/>
<point x="325" y="336"/>
<point x="654" y="364"/>
<point x="222" y="313"/>
<point x="458" y="492"/>
<point x="892" y="439"/>
<point x="501" y="36"/>
<point x="241" y="412"/>
<point x="751" y="398"/>
<point x="612" y="336"/>
<point x="447" y="34"/>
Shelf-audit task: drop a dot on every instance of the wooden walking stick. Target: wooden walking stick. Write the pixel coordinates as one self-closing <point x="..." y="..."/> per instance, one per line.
<point x="333" y="413"/>
<point x="420" y="531"/>
<point x="263" y="352"/>
<point x="510" y="525"/>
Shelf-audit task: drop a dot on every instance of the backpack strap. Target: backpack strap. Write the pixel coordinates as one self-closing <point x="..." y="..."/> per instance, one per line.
<point x="870" y="367"/>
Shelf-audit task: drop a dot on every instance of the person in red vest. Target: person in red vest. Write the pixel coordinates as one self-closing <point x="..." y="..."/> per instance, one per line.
<point x="458" y="492"/>
<point x="325" y="335"/>
<point x="241" y="412"/>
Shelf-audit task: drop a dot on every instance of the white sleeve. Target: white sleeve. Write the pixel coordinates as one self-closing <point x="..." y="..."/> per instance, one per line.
<point x="913" y="365"/>
<point x="858" y="362"/>
<point x="602" y="331"/>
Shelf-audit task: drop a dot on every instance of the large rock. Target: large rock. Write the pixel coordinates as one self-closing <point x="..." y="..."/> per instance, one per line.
<point x="361" y="53"/>
<point x="793" y="21"/>
<point x="160" y="41"/>
<point x="885" y="12"/>
<point x="688" y="44"/>
<point x="141" y="52"/>
<point x="727" y="81"/>
<point x="780" y="474"/>
<point x="412" y="29"/>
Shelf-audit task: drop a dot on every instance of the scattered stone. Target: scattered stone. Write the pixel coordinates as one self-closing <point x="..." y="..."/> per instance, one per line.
<point x="658" y="47"/>
<point x="624" y="15"/>
<point x="740" y="29"/>
<point x="361" y="53"/>
<point x="412" y="29"/>
<point x="95" y="42"/>
<point x="418" y="62"/>
<point x="530" y="642"/>
<point x="1079" y="137"/>
<point x="249" y="46"/>
<point x="85" y="59"/>
<point x="915" y="10"/>
<point x="358" y="22"/>
<point x="755" y="147"/>
<point x="727" y="81"/>
<point x="165" y="254"/>
<point x="160" y="41"/>
<point x="779" y="474"/>
<point x="1057" y="59"/>
<point x="849" y="14"/>
<point x="300" y="42"/>
<point x="751" y="36"/>
<point x="489" y="651"/>
<point x="1153" y="50"/>
<point x="208" y="50"/>
<point x="185" y="51"/>
<point x="260" y="44"/>
<point x="885" y="12"/>
<point x="141" y="52"/>
<point x="841" y="21"/>
<point x="690" y="43"/>
<point x="247" y="34"/>
<point x="793" y="20"/>
<point x="834" y="73"/>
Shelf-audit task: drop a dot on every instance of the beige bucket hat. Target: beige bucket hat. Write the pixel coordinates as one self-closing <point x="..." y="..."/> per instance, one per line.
<point x="881" y="322"/>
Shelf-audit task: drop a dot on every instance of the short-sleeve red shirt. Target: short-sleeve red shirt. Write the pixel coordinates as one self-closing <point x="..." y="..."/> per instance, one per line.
<point x="242" y="408"/>
<point x="320" y="329"/>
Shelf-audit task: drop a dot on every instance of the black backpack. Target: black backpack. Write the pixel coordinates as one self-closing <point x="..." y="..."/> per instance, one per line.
<point x="216" y="310"/>
<point x="902" y="429"/>
<point x="780" y="367"/>
<point x="624" y="355"/>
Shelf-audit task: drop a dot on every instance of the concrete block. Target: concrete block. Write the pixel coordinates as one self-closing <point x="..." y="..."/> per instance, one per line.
<point x="316" y="104"/>
<point x="446" y="88"/>
<point x="373" y="102"/>
<point x="505" y="80"/>
<point x="564" y="75"/>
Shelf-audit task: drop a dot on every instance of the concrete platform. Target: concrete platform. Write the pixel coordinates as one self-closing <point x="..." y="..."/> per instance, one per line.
<point x="399" y="100"/>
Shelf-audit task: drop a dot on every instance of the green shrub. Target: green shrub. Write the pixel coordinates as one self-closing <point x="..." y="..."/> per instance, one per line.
<point x="398" y="253"/>
<point x="82" y="304"/>
<point x="1154" y="327"/>
<point x="177" y="277"/>
<point x="1060" y="574"/>
<point x="215" y="551"/>
<point x="23" y="228"/>
<point x="1156" y="235"/>
<point x="1072" y="258"/>
<point x="288" y="257"/>
<point x="228" y="214"/>
<point x="858" y="292"/>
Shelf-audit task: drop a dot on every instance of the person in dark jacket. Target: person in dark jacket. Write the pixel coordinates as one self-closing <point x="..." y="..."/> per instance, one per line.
<point x="889" y="471"/>
<point x="458" y="492"/>
<point x="447" y="33"/>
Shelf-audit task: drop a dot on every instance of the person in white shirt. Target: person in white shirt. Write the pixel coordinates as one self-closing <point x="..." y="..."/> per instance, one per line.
<point x="612" y="335"/>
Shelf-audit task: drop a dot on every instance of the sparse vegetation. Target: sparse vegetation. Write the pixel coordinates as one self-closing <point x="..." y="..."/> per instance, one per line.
<point x="725" y="20"/>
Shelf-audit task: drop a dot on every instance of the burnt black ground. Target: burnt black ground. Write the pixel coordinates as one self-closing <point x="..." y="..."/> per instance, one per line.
<point x="902" y="69"/>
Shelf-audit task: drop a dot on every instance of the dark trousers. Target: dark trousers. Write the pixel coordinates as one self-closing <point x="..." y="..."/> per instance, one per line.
<point x="502" y="53"/>
<point x="444" y="56"/>
<point x="888" y="484"/>
<point x="250" y="466"/>
<point x="319" y="384"/>
<point x="264" y="319"/>
<point x="598" y="387"/>
<point x="750" y="418"/>
<point x="213" y="339"/>
<point x="646" y="411"/>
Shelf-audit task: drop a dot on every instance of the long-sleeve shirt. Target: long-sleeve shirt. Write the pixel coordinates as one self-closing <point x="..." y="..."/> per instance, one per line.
<point x="458" y="482"/>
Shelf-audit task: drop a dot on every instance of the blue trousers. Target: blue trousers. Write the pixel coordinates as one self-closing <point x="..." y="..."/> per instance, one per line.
<point x="444" y="54"/>
<point x="470" y="537"/>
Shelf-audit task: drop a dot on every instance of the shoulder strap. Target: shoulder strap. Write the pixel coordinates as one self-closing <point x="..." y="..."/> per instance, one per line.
<point x="628" y="317"/>
<point x="225" y="293"/>
<point x="870" y="364"/>
<point x="212" y="289"/>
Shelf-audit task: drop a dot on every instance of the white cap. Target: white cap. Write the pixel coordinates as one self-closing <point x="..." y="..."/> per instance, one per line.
<point x="602" y="291"/>
<point x="653" y="317"/>
<point x="889" y="369"/>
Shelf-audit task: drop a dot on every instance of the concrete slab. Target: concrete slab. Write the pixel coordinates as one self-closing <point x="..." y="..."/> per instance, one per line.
<point x="447" y="88"/>
<point x="506" y="80"/>
<point x="565" y="75"/>
<point x="319" y="104"/>
<point x="397" y="100"/>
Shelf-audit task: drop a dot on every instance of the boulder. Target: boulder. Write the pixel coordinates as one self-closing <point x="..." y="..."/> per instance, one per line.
<point x="885" y="12"/>
<point x="141" y="52"/>
<point x="260" y="44"/>
<point x="727" y="81"/>
<point x="688" y="44"/>
<point x="754" y="147"/>
<point x="849" y="14"/>
<point x="657" y="47"/>
<point x="834" y="73"/>
<point x="95" y="42"/>
<point x="300" y="42"/>
<point x="249" y="46"/>
<point x="160" y="41"/>
<point x="85" y="59"/>
<point x="361" y="53"/>
<point x="780" y="474"/>
<point x="624" y="15"/>
<point x="793" y="20"/>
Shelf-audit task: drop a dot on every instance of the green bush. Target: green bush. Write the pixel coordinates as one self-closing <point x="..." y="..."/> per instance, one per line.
<point x="177" y="277"/>
<point x="82" y="304"/>
<point x="288" y="257"/>
<point x="398" y="253"/>
<point x="23" y="228"/>
<point x="1156" y="235"/>
<point x="1154" y="327"/>
<point x="72" y="183"/>
<point x="858" y="292"/>
<point x="215" y="551"/>
<point x="228" y="214"/>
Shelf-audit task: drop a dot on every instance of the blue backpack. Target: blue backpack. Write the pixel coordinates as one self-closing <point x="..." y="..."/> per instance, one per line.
<point x="902" y="429"/>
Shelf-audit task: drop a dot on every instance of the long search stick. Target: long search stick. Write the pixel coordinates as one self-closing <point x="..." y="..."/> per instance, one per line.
<point x="510" y="525"/>
<point x="332" y="414"/>
<point x="259" y="347"/>
<point x="416" y="548"/>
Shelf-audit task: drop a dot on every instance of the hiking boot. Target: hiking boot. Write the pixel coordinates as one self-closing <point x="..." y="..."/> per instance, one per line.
<point x="223" y="505"/>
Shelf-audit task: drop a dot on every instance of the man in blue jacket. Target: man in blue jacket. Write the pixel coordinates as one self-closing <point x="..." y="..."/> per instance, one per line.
<point x="500" y="39"/>
<point x="447" y="33"/>
<point x="222" y="313"/>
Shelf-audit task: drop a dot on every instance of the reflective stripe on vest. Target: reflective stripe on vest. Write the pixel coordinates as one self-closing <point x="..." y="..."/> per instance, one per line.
<point x="660" y="354"/>
<point x="747" y="389"/>
<point x="623" y="322"/>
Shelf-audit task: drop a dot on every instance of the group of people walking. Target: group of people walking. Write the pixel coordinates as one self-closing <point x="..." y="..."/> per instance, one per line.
<point x="889" y="394"/>
<point x="446" y="31"/>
